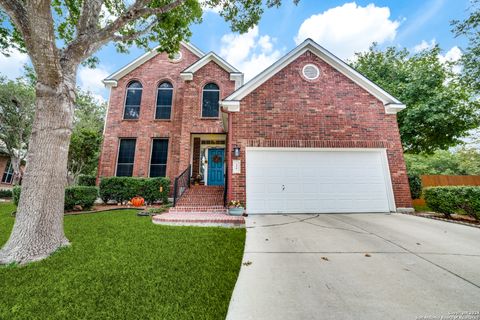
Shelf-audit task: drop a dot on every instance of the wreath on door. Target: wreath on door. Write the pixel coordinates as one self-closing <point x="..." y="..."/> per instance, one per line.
<point x="216" y="158"/>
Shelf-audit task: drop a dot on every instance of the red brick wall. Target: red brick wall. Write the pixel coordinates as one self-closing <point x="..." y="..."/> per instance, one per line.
<point x="332" y="111"/>
<point x="186" y="113"/>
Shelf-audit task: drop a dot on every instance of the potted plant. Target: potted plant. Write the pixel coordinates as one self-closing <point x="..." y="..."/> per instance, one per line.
<point x="235" y="208"/>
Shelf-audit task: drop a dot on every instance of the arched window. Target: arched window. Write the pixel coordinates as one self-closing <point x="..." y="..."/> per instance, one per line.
<point x="133" y="100"/>
<point x="211" y="96"/>
<point x="164" y="101"/>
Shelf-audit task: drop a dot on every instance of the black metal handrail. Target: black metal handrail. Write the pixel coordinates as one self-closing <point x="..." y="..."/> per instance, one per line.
<point x="181" y="184"/>
<point x="225" y="190"/>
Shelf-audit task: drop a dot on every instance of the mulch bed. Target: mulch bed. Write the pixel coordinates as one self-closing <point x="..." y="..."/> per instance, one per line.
<point x="111" y="207"/>
<point x="455" y="218"/>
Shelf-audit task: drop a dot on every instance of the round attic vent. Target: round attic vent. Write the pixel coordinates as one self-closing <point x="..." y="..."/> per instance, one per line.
<point x="177" y="56"/>
<point x="311" y="72"/>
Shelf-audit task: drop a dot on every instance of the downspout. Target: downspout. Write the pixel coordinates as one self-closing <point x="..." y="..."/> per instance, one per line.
<point x="229" y="153"/>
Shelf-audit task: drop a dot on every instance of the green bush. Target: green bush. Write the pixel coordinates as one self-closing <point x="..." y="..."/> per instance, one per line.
<point x="454" y="199"/>
<point x="74" y="196"/>
<point x="415" y="185"/>
<point x="16" y="194"/>
<point x="83" y="196"/>
<point x="122" y="189"/>
<point x="86" y="180"/>
<point x="5" y="193"/>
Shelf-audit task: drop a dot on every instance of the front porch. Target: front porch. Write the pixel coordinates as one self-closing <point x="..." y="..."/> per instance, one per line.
<point x="208" y="159"/>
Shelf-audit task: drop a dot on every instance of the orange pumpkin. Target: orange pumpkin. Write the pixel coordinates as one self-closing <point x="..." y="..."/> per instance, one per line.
<point x="137" y="201"/>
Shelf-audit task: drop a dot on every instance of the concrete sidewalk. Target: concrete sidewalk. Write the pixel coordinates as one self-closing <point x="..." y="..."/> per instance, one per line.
<point x="356" y="266"/>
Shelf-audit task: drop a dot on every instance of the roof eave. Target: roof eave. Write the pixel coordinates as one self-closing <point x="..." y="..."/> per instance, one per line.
<point x="331" y="59"/>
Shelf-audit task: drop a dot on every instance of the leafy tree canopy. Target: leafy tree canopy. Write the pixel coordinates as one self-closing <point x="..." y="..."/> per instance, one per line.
<point x="440" y="110"/>
<point x="465" y="161"/>
<point x="16" y="116"/>
<point x="470" y="28"/>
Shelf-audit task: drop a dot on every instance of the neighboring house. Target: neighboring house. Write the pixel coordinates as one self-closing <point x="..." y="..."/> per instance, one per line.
<point x="6" y="171"/>
<point x="308" y="134"/>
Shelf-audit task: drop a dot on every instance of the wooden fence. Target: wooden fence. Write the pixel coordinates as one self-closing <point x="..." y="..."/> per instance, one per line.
<point x="444" y="180"/>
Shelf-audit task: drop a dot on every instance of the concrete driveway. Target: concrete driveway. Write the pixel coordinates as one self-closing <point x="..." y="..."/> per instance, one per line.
<point x="356" y="266"/>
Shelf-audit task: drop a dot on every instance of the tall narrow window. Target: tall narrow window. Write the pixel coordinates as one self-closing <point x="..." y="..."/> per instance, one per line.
<point x="8" y="174"/>
<point x="133" y="100"/>
<point x="126" y="157"/>
<point x="164" y="101"/>
<point x="211" y="95"/>
<point x="158" y="163"/>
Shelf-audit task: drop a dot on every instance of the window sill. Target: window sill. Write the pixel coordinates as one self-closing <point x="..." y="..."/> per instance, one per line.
<point x="128" y="120"/>
<point x="162" y="120"/>
<point x="209" y="118"/>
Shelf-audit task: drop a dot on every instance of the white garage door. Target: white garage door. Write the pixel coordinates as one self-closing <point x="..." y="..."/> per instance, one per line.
<point x="317" y="180"/>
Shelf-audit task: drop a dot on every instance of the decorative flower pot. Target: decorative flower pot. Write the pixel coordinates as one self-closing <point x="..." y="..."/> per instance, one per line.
<point x="235" y="211"/>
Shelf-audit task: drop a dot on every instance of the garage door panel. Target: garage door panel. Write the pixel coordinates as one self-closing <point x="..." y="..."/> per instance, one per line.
<point x="316" y="181"/>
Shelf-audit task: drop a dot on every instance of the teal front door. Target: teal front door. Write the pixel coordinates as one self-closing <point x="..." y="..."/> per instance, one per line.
<point x="215" y="167"/>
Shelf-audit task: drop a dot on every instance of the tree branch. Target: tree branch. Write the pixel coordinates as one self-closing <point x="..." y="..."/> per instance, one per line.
<point x="85" y="44"/>
<point x="89" y="17"/>
<point x="136" y="34"/>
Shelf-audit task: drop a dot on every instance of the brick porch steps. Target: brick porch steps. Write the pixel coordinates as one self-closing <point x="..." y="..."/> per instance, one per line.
<point x="201" y="199"/>
<point x="199" y="219"/>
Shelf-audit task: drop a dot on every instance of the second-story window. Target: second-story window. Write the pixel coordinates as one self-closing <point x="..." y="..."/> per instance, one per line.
<point x="164" y="101"/>
<point x="133" y="100"/>
<point x="211" y="96"/>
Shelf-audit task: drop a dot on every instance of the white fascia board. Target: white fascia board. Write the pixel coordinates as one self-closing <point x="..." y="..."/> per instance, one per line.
<point x="144" y="58"/>
<point x="186" y="76"/>
<point x="322" y="53"/>
<point x="394" y="108"/>
<point x="211" y="56"/>
<point x="110" y="83"/>
<point x="238" y="78"/>
<point x="231" y="106"/>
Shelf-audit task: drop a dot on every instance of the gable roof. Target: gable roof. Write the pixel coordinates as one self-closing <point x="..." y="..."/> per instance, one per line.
<point x="391" y="104"/>
<point x="235" y="75"/>
<point x="111" y="80"/>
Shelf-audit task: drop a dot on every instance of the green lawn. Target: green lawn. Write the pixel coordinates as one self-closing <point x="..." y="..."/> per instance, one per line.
<point x="121" y="266"/>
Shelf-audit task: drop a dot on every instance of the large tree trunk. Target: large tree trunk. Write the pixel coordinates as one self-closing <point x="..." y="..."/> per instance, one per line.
<point x="38" y="229"/>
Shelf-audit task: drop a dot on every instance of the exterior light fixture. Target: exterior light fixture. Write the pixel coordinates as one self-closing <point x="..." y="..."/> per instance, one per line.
<point x="236" y="151"/>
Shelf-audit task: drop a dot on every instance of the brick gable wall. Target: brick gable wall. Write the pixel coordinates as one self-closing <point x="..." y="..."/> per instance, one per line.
<point x="332" y="111"/>
<point x="185" y="119"/>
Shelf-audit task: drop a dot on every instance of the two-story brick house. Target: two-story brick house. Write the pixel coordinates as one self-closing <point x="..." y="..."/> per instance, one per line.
<point x="308" y="134"/>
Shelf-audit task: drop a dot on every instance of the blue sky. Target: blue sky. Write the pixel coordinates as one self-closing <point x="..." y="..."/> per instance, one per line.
<point x="340" y="26"/>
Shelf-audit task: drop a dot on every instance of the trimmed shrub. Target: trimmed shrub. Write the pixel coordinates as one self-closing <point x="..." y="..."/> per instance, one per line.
<point x="83" y="196"/>
<point x="454" y="199"/>
<point x="86" y="180"/>
<point x="16" y="194"/>
<point x="74" y="196"/>
<point x="5" y="193"/>
<point x="415" y="185"/>
<point x="122" y="189"/>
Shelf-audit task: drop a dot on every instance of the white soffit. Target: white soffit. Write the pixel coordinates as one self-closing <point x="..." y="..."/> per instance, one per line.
<point x="235" y="75"/>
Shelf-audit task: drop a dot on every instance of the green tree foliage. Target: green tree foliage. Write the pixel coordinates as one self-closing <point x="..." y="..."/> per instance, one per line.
<point x="440" y="110"/>
<point x="16" y="116"/>
<point x="465" y="161"/>
<point x="86" y="138"/>
<point x="470" y="28"/>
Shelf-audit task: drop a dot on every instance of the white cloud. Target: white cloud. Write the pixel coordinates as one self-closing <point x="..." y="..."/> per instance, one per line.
<point x="349" y="28"/>
<point x="424" y="45"/>
<point x="91" y="80"/>
<point x="12" y="66"/>
<point x="249" y="52"/>
<point x="452" y="55"/>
